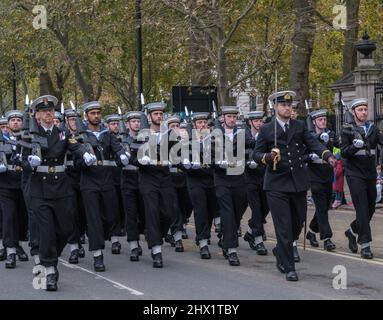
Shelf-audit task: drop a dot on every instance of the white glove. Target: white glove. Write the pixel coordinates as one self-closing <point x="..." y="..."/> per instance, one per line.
<point x="252" y="164"/>
<point x="90" y="159"/>
<point x="196" y="165"/>
<point x="34" y="161"/>
<point x="358" y="143"/>
<point x="325" y="137"/>
<point x="125" y="158"/>
<point x="3" y="168"/>
<point x="224" y="164"/>
<point x="145" y="160"/>
<point x="186" y="163"/>
<point x="313" y="157"/>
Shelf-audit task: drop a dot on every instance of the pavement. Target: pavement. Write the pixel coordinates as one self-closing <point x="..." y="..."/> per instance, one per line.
<point x="186" y="277"/>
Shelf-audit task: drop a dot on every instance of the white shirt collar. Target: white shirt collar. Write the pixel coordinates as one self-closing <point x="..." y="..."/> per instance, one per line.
<point x="282" y="124"/>
<point x="46" y="129"/>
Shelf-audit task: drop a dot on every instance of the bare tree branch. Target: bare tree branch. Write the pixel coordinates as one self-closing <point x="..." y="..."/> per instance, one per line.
<point x="244" y="13"/>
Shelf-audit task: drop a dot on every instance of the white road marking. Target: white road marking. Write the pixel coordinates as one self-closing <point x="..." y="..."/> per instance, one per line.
<point x="350" y="256"/>
<point x="115" y="283"/>
<point x="343" y="254"/>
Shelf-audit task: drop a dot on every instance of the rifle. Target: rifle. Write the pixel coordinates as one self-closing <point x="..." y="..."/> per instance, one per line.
<point x="217" y="123"/>
<point x="81" y="131"/>
<point x="123" y="132"/>
<point x="309" y="120"/>
<point x="3" y="157"/>
<point x="26" y="145"/>
<point x="144" y="116"/>
<point x="189" y="127"/>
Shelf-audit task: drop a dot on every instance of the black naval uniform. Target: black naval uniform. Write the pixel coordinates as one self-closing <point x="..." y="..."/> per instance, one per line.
<point x="321" y="179"/>
<point x="360" y="171"/>
<point x="286" y="188"/>
<point x="73" y="171"/>
<point x="184" y="202"/>
<point x="256" y="196"/>
<point x="11" y="200"/>
<point x="231" y="196"/>
<point x="133" y="204"/>
<point x="200" y="183"/>
<point x="98" y="190"/>
<point x="117" y="185"/>
<point x="159" y="195"/>
<point x="50" y="194"/>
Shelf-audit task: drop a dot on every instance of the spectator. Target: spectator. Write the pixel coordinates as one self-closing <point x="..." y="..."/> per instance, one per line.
<point x="338" y="185"/>
<point x="379" y="182"/>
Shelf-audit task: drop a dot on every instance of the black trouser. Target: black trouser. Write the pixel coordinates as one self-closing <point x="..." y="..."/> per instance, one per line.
<point x="13" y="206"/>
<point x="159" y="212"/>
<point x="205" y="207"/>
<point x="363" y="194"/>
<point x="232" y="202"/>
<point x="121" y="212"/>
<point x="102" y="216"/>
<point x="184" y="203"/>
<point x="288" y="211"/>
<point x="54" y="219"/>
<point x="134" y="213"/>
<point x="322" y="196"/>
<point x="259" y="208"/>
<point x="79" y="216"/>
<point x="177" y="221"/>
<point x="34" y="234"/>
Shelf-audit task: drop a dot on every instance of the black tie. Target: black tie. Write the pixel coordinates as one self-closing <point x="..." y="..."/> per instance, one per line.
<point x="287" y="129"/>
<point x="49" y="132"/>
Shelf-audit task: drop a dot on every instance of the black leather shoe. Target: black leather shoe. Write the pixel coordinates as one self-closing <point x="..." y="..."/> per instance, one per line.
<point x="134" y="255"/>
<point x="170" y="239"/>
<point x="261" y="249"/>
<point x="99" y="263"/>
<point x="233" y="259"/>
<point x="81" y="252"/>
<point x="51" y="282"/>
<point x="157" y="260"/>
<point x="297" y="258"/>
<point x="353" y="246"/>
<point x="279" y="265"/>
<point x="250" y="239"/>
<point x="73" y="258"/>
<point x="179" y="246"/>
<point x="139" y="250"/>
<point x="3" y="254"/>
<point x="328" y="245"/>
<point x="310" y="236"/>
<point x="184" y="234"/>
<point x="116" y="248"/>
<point x="205" y="253"/>
<point x="366" y="253"/>
<point x="292" y="276"/>
<point x="21" y="254"/>
<point x="57" y="273"/>
<point x="10" y="263"/>
<point x="82" y="239"/>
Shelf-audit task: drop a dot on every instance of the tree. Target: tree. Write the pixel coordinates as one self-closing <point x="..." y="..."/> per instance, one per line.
<point x="303" y="45"/>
